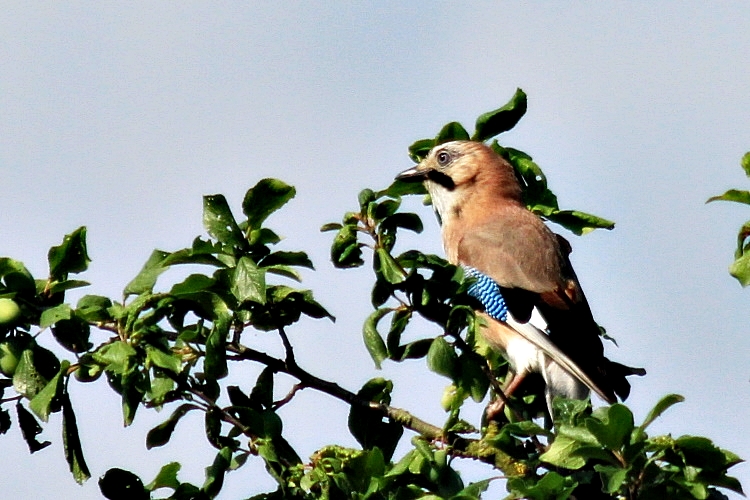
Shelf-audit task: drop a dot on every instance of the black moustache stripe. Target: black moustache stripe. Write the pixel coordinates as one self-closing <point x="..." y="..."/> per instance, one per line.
<point x="442" y="179"/>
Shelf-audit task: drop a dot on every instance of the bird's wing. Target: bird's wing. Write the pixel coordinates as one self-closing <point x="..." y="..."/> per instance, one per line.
<point x="543" y="342"/>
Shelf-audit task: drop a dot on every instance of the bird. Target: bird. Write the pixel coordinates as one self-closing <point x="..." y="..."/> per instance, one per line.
<point x="522" y="270"/>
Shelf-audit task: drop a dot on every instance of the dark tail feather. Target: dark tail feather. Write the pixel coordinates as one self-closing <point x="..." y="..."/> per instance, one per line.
<point x="616" y="374"/>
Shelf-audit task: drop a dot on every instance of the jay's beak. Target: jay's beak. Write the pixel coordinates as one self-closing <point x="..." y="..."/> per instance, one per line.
<point x="412" y="175"/>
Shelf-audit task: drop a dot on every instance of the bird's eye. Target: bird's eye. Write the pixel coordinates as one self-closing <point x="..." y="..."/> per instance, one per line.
<point x="443" y="158"/>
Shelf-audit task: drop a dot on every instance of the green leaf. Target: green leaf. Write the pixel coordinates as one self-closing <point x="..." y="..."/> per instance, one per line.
<point x="215" y="364"/>
<point x="248" y="282"/>
<point x="146" y="279"/>
<point x="473" y="379"/>
<point x="387" y="267"/>
<point x="119" y="484"/>
<point x="117" y="357"/>
<point x="264" y="198"/>
<point x="331" y="226"/>
<point x="502" y="119"/>
<point x="745" y="163"/>
<point x="562" y="453"/>
<point x="405" y="220"/>
<point x="166" y="478"/>
<point x="73" y="334"/>
<point x="72" y="443"/>
<point x="167" y="360"/>
<point x="613" y="478"/>
<point x="35" y="368"/>
<point x="345" y="250"/>
<point x="740" y="269"/>
<point x="94" y="308"/>
<point x="216" y="471"/>
<point x="63" y="286"/>
<point x="69" y="257"/>
<point x="41" y="405"/>
<point x="220" y="223"/>
<point x="400" y="319"/>
<point x="735" y="195"/>
<point x="442" y="359"/>
<point x="373" y="341"/>
<point x="663" y="405"/>
<point x="419" y="150"/>
<point x="54" y="314"/>
<point x="262" y="393"/>
<point x="161" y="434"/>
<point x="400" y="187"/>
<point x="452" y="131"/>
<point x="551" y="486"/>
<point x="611" y="425"/>
<point x="579" y="222"/>
<point x="30" y="429"/>
<point x="368" y="426"/>
<point x="287" y="259"/>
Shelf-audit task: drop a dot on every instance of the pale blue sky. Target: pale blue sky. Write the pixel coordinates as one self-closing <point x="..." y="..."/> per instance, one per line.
<point x="120" y="117"/>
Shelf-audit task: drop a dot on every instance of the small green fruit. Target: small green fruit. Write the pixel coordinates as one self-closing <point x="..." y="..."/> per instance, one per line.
<point x="10" y="353"/>
<point x="9" y="311"/>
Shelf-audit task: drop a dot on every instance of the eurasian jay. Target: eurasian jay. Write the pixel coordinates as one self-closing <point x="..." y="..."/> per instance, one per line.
<point x="487" y="229"/>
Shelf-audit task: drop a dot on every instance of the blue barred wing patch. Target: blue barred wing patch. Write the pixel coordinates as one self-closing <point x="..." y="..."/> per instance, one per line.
<point x="486" y="291"/>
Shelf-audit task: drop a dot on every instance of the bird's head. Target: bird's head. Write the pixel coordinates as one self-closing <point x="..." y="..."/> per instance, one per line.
<point x="454" y="171"/>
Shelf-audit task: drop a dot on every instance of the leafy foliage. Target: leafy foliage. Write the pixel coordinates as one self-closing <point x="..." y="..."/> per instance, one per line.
<point x="740" y="268"/>
<point x="171" y="345"/>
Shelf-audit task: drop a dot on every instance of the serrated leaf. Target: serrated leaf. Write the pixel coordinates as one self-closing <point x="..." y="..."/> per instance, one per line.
<point x="373" y="341"/>
<point x="69" y="257"/>
<point x="267" y="196"/>
<point x="161" y="434"/>
<point x="500" y="120"/>
<point x="248" y="282"/>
